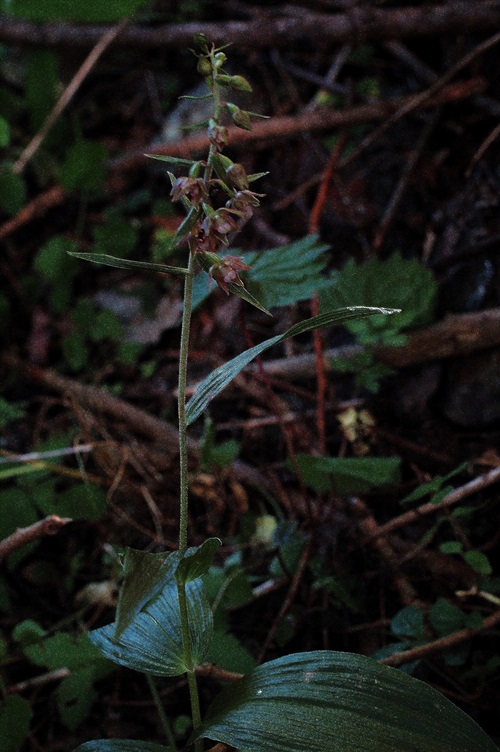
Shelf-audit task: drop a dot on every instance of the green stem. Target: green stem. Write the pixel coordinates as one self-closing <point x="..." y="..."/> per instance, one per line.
<point x="161" y="713"/>
<point x="183" y="361"/>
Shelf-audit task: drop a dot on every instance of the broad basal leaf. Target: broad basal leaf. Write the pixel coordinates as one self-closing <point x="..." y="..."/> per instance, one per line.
<point x="324" y="701"/>
<point x="144" y="576"/>
<point x="222" y="376"/>
<point x="197" y="561"/>
<point x="152" y="643"/>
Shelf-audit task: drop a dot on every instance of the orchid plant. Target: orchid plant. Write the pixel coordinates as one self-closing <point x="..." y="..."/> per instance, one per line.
<point x="319" y="701"/>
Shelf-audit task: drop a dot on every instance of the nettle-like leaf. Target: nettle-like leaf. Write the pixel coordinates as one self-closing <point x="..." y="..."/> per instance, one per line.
<point x="197" y="561"/>
<point x="348" y="475"/>
<point x="152" y="643"/>
<point x="222" y="376"/>
<point x="395" y="282"/>
<point x="278" y="277"/>
<point x="324" y="701"/>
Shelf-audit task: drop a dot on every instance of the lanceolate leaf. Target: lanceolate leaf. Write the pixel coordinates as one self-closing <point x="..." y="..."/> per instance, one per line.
<point x="153" y="642"/>
<point x="324" y="701"/>
<point x="120" y="263"/>
<point x="222" y="376"/>
<point x="121" y="745"/>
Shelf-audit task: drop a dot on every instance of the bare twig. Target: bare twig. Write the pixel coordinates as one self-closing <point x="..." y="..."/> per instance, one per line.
<point x="22" y="536"/>
<point x="440" y="645"/>
<point x="68" y="94"/>
<point x="39" y="681"/>
<point x="482" y="481"/>
<point x="356" y="25"/>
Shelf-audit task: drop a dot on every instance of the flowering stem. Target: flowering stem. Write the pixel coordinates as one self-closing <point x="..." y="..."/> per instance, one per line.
<point x="183" y="361"/>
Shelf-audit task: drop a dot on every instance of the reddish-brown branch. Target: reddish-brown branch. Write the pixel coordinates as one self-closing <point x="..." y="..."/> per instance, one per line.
<point x="24" y="535"/>
<point x="356" y="25"/>
<point x="292" y="125"/>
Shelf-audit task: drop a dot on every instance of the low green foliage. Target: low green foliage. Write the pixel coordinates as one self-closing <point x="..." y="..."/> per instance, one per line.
<point x="348" y="475"/>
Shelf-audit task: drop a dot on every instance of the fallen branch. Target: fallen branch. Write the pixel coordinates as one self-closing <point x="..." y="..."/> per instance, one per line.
<point x="292" y="125"/>
<point x="22" y="536"/>
<point x="407" y="518"/>
<point x="440" y="645"/>
<point x="358" y="24"/>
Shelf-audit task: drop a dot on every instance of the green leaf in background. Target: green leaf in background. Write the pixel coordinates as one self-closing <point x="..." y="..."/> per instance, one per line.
<point x="283" y="276"/>
<point x="324" y="701"/>
<point x="12" y="191"/>
<point x="10" y="411"/>
<point x="15" y="718"/>
<point x="4" y="133"/>
<point x="91" y="11"/>
<point x="84" y="168"/>
<point x="396" y="283"/>
<point x="227" y="651"/>
<point x="121" y="745"/>
<point x="53" y="263"/>
<point x="144" y="576"/>
<point x="434" y="487"/>
<point x="80" y="502"/>
<point x="75" y="693"/>
<point x="348" y="475"/>
<point x="41" y="85"/>
<point x="409" y="622"/>
<point x="153" y="641"/>
<point x="222" y="376"/>
<point x="117" y="236"/>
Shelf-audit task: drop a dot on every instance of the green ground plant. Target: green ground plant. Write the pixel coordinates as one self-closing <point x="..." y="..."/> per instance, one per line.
<point x="165" y="623"/>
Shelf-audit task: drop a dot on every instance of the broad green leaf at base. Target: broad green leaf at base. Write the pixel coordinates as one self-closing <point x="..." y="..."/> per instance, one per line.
<point x="324" y="701"/>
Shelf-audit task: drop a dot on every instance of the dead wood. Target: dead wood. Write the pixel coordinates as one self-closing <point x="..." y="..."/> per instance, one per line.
<point x="279" y="128"/>
<point x="356" y="25"/>
<point x="22" y="536"/>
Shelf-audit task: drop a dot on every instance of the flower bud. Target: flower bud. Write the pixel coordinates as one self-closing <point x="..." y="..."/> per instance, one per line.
<point x="234" y="82"/>
<point x="217" y="134"/>
<point x="219" y="60"/>
<point x="237" y="176"/>
<point x="241" y="118"/>
<point x="204" y="66"/>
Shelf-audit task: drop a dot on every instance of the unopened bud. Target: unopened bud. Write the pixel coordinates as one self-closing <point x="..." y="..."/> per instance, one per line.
<point x="237" y="176"/>
<point x="204" y="66"/>
<point x="219" y="60"/>
<point x="234" y="82"/>
<point x="241" y="118"/>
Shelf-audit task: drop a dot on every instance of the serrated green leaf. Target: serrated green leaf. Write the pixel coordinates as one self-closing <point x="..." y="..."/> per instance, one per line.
<point x="348" y="475"/>
<point x="445" y="617"/>
<point x="197" y="563"/>
<point x="119" y="263"/>
<point x="222" y="376"/>
<point x="152" y="643"/>
<point x="120" y="745"/>
<point x="395" y="282"/>
<point x="144" y="576"/>
<point x="283" y="276"/>
<point x="324" y="701"/>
